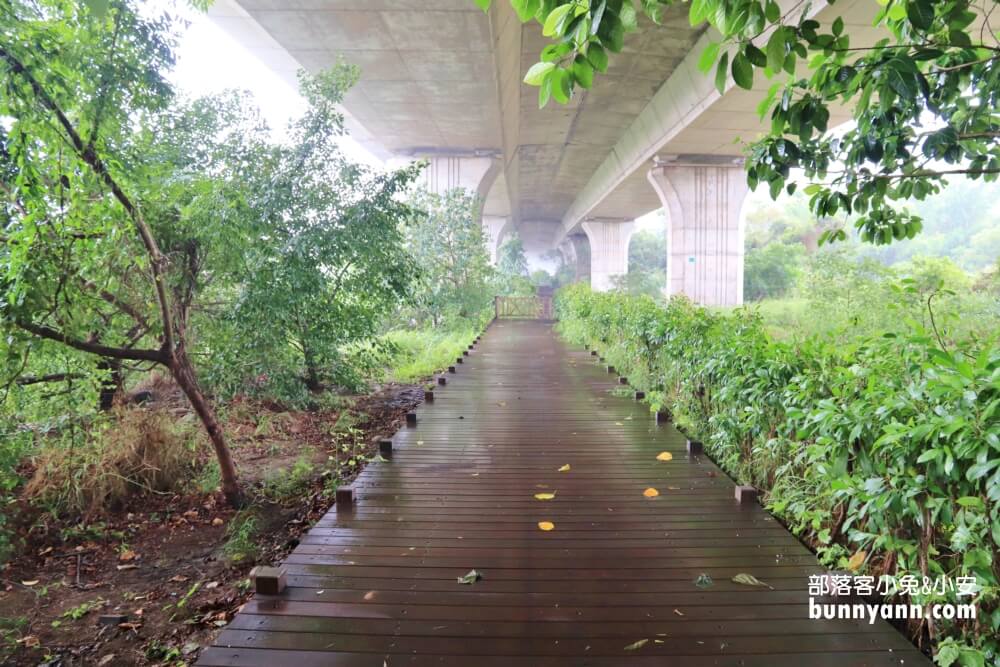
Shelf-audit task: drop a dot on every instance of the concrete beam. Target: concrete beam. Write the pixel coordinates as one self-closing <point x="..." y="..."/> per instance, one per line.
<point x="687" y="99"/>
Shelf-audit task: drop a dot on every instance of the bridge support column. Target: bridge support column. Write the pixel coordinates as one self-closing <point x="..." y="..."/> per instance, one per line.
<point x="494" y="227"/>
<point x="472" y="172"/>
<point x="703" y="199"/>
<point x="608" y="251"/>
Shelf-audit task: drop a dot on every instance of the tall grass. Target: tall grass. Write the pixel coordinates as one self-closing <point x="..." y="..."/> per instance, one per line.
<point x="133" y="451"/>
<point x="423" y="352"/>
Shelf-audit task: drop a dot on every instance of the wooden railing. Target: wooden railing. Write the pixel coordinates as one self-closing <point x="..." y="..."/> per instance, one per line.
<point x="523" y="307"/>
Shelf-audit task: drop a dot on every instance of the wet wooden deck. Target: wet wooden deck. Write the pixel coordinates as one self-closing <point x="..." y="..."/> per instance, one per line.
<point x="377" y="586"/>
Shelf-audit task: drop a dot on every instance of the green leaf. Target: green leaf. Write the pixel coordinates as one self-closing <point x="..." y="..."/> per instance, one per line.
<point x="545" y="92"/>
<point x="708" y="57"/>
<point x="700" y="10"/>
<point x="583" y="72"/>
<point x="743" y="71"/>
<point x="970" y="501"/>
<point x="554" y="21"/>
<point x="929" y="455"/>
<point x="776" y="49"/>
<point x="755" y="56"/>
<point x="538" y="73"/>
<point x="721" y="73"/>
<point x="628" y="17"/>
<point x="598" y="57"/>
<point x="561" y="86"/>
<point x="483" y="4"/>
<point x="772" y="12"/>
<point x="920" y="13"/>
<point x="526" y="9"/>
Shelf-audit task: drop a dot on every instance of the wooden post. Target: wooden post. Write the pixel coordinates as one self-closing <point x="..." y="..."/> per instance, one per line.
<point x="442" y="380"/>
<point x="611" y="369"/>
<point x="639" y="395"/>
<point x="385" y="448"/>
<point x="622" y="379"/>
<point x="662" y="417"/>
<point x="269" y="580"/>
<point x="429" y="395"/>
<point x="451" y="369"/>
<point x="745" y="495"/>
<point x="411" y="419"/>
<point x="694" y="447"/>
<point x="344" y="498"/>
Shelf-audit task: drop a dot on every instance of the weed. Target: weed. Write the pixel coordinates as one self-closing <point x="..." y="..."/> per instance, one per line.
<point x="288" y="484"/>
<point x="209" y="479"/>
<point x="81" y="610"/>
<point x="240" y="545"/>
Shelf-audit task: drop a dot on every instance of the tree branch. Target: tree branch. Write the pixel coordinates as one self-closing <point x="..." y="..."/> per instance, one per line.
<point x="42" y="331"/>
<point x="27" y="380"/>
<point x="88" y="155"/>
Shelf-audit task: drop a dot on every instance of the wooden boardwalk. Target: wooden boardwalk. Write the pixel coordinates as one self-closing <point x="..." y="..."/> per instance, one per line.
<point x="377" y="586"/>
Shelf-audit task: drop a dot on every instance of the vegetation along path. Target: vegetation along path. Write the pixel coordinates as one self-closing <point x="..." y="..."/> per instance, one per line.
<point x="598" y="538"/>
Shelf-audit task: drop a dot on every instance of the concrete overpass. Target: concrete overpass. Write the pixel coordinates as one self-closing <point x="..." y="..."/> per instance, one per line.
<point x="441" y="80"/>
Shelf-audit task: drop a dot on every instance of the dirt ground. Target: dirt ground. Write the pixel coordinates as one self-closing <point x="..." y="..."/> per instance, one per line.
<point x="150" y="584"/>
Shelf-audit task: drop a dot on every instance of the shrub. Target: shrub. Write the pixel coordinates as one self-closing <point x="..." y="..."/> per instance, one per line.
<point x="133" y="451"/>
<point x="886" y="448"/>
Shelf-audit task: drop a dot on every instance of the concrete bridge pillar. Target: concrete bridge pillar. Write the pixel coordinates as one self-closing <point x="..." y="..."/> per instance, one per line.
<point x="608" y="250"/>
<point x="494" y="228"/>
<point x="703" y="199"/>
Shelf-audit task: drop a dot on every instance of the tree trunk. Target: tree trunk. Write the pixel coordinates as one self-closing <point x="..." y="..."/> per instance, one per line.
<point x="183" y="372"/>
<point x="313" y="383"/>
<point x="112" y="385"/>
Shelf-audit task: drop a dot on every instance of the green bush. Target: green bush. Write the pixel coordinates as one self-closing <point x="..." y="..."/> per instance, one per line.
<point x="886" y="448"/>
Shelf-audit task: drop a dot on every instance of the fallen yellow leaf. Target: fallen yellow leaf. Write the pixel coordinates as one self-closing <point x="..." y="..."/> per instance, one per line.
<point x="546" y="525"/>
<point x="544" y="496"/>
<point x="856" y="561"/>
<point x="619" y="424"/>
<point x="664" y="456"/>
<point x="650" y="492"/>
<point x="565" y="468"/>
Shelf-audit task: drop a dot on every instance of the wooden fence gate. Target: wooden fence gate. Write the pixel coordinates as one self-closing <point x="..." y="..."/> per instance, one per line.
<point x="538" y="307"/>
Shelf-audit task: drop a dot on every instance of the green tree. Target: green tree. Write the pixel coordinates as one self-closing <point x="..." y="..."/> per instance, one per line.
<point x="771" y="271"/>
<point x="449" y="247"/>
<point x="329" y="261"/>
<point x="89" y="222"/>
<point x="512" y="267"/>
<point x="923" y="98"/>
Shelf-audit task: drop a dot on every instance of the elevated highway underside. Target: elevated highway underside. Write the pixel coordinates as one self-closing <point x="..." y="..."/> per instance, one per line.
<point x="441" y="80"/>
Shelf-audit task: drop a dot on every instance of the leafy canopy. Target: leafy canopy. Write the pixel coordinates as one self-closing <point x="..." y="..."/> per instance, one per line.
<point x="449" y="245"/>
<point x="923" y="97"/>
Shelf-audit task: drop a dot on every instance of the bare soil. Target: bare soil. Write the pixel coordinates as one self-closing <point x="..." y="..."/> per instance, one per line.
<point x="149" y="583"/>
